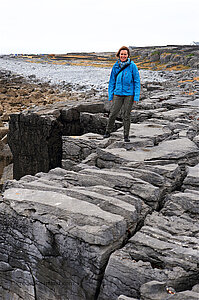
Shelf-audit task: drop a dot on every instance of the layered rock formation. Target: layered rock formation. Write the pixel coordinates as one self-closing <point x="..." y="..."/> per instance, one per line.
<point x="88" y="218"/>
<point x="170" y="57"/>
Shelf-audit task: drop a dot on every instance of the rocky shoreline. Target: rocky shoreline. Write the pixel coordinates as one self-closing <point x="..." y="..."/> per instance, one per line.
<point x="88" y="218"/>
<point x="25" y="85"/>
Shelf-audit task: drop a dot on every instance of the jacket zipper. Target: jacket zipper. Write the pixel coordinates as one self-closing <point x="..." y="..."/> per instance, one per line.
<point x="122" y="81"/>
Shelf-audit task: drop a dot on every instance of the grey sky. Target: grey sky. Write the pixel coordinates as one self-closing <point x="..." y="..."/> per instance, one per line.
<point x="61" y="26"/>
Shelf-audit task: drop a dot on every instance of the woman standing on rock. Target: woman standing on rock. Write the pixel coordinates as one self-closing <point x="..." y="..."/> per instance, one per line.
<point x="123" y="90"/>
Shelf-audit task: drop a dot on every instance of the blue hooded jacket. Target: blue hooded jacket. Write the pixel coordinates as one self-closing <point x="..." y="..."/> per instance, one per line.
<point x="127" y="83"/>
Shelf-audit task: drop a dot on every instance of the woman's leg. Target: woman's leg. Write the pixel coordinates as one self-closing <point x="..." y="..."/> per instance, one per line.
<point x="127" y="107"/>
<point x="117" y="104"/>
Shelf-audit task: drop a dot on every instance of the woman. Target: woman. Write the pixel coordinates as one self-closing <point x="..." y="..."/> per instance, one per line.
<point x="123" y="90"/>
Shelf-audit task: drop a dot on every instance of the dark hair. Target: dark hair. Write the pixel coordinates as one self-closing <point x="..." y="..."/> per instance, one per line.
<point x="123" y="48"/>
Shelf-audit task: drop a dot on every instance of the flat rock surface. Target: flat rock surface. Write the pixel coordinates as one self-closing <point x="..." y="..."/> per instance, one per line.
<point x="70" y="210"/>
<point x="170" y="150"/>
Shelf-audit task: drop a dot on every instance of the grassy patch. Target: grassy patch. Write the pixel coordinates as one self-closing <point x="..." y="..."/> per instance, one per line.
<point x="155" y="52"/>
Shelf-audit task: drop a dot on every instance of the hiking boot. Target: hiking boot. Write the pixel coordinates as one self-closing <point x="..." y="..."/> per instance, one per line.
<point x="107" y="135"/>
<point x="126" y="139"/>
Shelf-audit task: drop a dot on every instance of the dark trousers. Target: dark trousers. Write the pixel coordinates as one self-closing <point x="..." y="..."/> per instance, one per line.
<point x="126" y="103"/>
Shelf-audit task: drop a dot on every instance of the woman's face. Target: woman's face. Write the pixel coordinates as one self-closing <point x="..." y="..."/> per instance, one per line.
<point x="123" y="55"/>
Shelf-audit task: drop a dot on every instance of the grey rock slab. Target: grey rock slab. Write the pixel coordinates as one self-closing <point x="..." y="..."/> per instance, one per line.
<point x="141" y="115"/>
<point x="172" y="173"/>
<point x="173" y="114"/>
<point x="194" y="103"/>
<point x="107" y="204"/>
<point x="135" y="143"/>
<point x="192" y="179"/>
<point x="122" y="297"/>
<point x="55" y="178"/>
<point x="173" y="225"/>
<point x="162" y="96"/>
<point x="82" y="179"/>
<point x="88" y="221"/>
<point x="59" y="180"/>
<point x="22" y="286"/>
<point x="148" y="104"/>
<point x="151" y="87"/>
<point x="146" y="175"/>
<point x="169" y="151"/>
<point x="186" y="295"/>
<point x="162" y="243"/>
<point x="96" y="107"/>
<point x="167" y="178"/>
<point x="132" y="208"/>
<point x="164" y="249"/>
<point x="155" y="290"/>
<point x="196" y="140"/>
<point x="184" y="204"/>
<point x="141" y="208"/>
<point x="37" y="184"/>
<point x="175" y="102"/>
<point x="107" y="158"/>
<point x="195" y="288"/>
<point x="124" y="275"/>
<point x="125" y="182"/>
<point x="175" y="126"/>
<point x="88" y="162"/>
<point x="68" y="164"/>
<point x="77" y="148"/>
<point x="148" y="130"/>
<point x="95" y="123"/>
<point x="60" y="244"/>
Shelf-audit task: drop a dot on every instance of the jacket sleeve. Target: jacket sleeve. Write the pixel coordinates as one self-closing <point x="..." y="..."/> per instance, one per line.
<point x="111" y="86"/>
<point x="136" y="78"/>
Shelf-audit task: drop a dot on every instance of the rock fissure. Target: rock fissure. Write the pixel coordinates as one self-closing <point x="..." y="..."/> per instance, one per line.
<point x="34" y="283"/>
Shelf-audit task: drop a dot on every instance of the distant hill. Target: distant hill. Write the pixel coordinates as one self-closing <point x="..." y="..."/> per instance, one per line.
<point x="170" y="57"/>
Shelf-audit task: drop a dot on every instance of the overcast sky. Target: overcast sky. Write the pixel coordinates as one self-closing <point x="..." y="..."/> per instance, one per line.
<point x="62" y="26"/>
